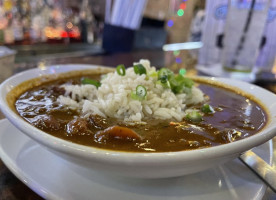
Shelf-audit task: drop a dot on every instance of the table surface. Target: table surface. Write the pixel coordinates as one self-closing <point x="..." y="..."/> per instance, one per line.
<point x="12" y="188"/>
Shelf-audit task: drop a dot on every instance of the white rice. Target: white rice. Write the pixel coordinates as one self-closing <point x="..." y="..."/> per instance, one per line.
<point x="113" y="98"/>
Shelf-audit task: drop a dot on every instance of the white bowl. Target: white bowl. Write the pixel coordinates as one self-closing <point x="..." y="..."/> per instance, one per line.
<point x="143" y="165"/>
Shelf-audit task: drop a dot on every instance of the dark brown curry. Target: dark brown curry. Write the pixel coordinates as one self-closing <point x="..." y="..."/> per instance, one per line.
<point x="235" y="117"/>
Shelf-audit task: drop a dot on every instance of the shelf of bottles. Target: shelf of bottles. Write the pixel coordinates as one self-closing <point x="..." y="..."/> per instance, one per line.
<point x="44" y="21"/>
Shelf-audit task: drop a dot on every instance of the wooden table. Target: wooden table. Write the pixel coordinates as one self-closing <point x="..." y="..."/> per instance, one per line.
<point x="12" y="188"/>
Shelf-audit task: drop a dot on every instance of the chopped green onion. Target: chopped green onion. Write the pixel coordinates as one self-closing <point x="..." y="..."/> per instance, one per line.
<point x="172" y="81"/>
<point x="164" y="75"/>
<point x="206" y="108"/>
<point x="174" y="85"/>
<point x="177" y="83"/>
<point x="194" y="116"/>
<point x="121" y="70"/>
<point x="164" y="82"/>
<point x="91" y="82"/>
<point x="153" y="74"/>
<point x="139" y="94"/>
<point x="139" y="69"/>
<point x="134" y="96"/>
<point x="182" y="72"/>
<point x="180" y="84"/>
<point x="141" y="91"/>
<point x="185" y="81"/>
<point x="163" y="79"/>
<point x="165" y="72"/>
<point x="179" y="89"/>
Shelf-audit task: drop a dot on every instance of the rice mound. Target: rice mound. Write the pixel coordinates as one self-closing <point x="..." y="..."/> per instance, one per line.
<point x="113" y="98"/>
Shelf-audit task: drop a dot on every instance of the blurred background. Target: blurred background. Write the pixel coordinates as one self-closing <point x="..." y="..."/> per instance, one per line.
<point x="229" y="38"/>
<point x="30" y="22"/>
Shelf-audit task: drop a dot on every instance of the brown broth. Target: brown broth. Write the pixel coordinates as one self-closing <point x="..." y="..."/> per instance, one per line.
<point x="237" y="116"/>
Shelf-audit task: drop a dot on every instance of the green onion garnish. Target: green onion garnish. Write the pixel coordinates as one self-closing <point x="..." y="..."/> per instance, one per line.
<point x="194" y="116"/>
<point x="121" y="70"/>
<point x="164" y="72"/>
<point x="180" y="84"/>
<point x="163" y="79"/>
<point x="134" y="96"/>
<point x="140" y="93"/>
<point x="91" y="82"/>
<point x="165" y="84"/>
<point x="206" y="108"/>
<point x="153" y="74"/>
<point x="139" y="69"/>
<point x="164" y="75"/>
<point x="185" y="81"/>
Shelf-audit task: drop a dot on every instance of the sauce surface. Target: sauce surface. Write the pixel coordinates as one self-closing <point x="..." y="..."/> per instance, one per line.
<point x="235" y="117"/>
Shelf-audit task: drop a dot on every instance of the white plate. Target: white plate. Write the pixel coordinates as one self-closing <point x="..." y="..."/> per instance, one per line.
<point x="53" y="178"/>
